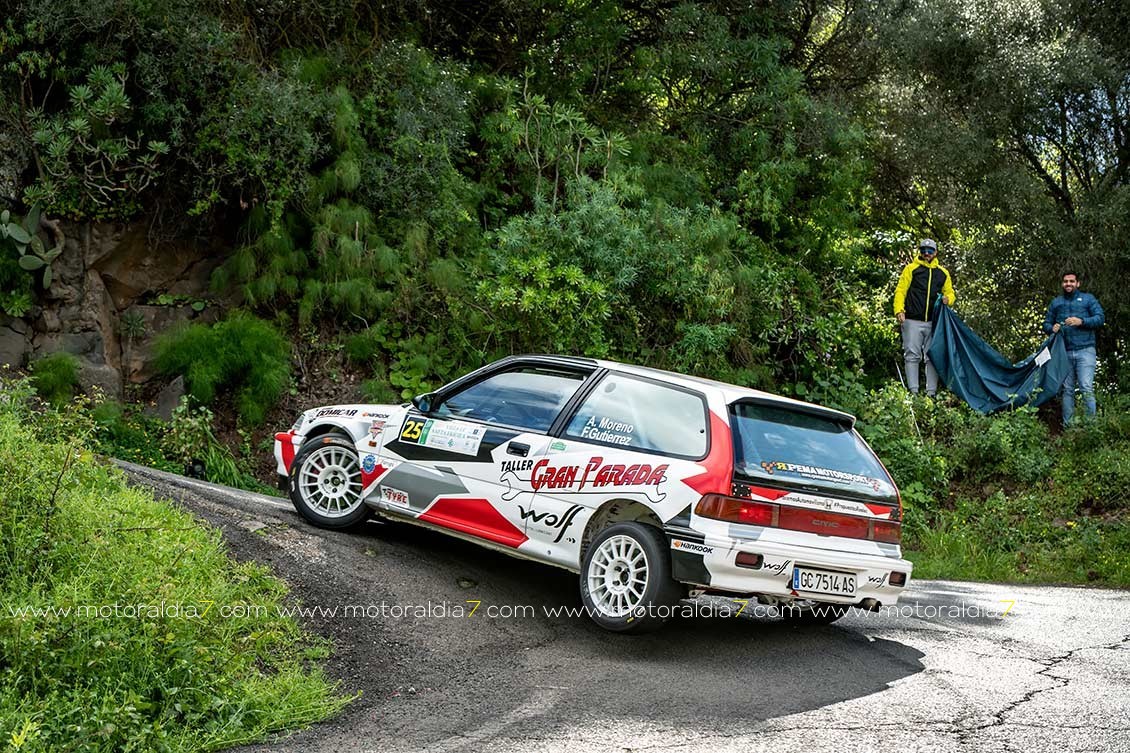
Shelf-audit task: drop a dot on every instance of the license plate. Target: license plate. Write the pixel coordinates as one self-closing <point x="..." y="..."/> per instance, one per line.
<point x="823" y="582"/>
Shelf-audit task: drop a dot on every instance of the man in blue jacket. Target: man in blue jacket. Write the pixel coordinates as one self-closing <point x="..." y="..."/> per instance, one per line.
<point x="1078" y="314"/>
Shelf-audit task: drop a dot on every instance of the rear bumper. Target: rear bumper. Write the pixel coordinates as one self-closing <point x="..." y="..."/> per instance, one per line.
<point x="713" y="560"/>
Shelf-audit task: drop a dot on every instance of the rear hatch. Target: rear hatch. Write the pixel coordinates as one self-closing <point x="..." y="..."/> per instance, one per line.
<point x="806" y="474"/>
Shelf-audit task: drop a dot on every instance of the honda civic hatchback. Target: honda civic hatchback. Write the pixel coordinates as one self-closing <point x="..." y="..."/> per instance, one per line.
<point x="648" y="484"/>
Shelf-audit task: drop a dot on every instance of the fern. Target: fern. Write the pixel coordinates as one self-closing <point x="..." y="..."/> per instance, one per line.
<point x="241" y="353"/>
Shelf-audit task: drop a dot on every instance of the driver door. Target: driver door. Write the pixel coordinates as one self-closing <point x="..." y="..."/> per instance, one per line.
<point x="458" y="462"/>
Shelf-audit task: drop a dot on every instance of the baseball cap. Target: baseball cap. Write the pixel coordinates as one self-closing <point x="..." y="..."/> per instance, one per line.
<point x="928" y="246"/>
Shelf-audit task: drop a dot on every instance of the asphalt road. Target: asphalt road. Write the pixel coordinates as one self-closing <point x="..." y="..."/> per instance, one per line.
<point x="950" y="670"/>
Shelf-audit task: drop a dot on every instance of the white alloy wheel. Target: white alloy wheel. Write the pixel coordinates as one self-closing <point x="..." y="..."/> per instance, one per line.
<point x="330" y="481"/>
<point x="626" y="583"/>
<point x="618" y="575"/>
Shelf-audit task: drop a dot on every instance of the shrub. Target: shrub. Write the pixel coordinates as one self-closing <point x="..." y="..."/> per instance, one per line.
<point x="1009" y="447"/>
<point x="96" y="164"/>
<point x="15" y="282"/>
<point x="415" y="119"/>
<point x="1094" y="460"/>
<point x="407" y="365"/>
<point x="190" y="438"/>
<point x="126" y="434"/>
<point x="55" y="378"/>
<point x="241" y="353"/>
<point x="262" y="137"/>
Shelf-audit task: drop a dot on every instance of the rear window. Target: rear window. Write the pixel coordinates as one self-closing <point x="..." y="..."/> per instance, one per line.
<point x="798" y="447"/>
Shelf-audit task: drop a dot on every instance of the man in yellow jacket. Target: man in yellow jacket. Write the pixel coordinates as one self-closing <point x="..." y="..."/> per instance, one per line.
<point x="920" y="285"/>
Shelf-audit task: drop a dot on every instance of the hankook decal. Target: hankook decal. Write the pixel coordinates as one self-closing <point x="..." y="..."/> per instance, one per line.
<point x="691" y="546"/>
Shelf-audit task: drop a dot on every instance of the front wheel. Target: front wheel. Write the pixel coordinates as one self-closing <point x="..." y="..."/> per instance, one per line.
<point x="626" y="583"/>
<point x="325" y="483"/>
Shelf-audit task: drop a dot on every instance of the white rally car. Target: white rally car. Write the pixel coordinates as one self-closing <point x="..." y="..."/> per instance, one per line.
<point x="649" y="484"/>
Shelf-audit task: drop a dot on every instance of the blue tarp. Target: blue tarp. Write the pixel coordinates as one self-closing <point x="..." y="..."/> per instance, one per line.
<point x="985" y="379"/>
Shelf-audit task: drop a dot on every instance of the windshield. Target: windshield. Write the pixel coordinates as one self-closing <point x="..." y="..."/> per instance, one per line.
<point x="802" y="448"/>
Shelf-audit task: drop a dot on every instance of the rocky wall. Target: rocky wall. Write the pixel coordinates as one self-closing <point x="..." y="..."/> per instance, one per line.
<point x="108" y="273"/>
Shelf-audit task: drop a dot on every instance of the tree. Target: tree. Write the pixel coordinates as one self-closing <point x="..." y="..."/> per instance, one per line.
<point x="1011" y="127"/>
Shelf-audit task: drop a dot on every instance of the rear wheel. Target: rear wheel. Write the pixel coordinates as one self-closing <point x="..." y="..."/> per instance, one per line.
<point x="325" y="483"/>
<point x="626" y="580"/>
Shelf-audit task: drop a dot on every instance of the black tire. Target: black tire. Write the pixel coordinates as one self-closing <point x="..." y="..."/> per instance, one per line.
<point x="335" y="454"/>
<point x="811" y="614"/>
<point x="651" y="607"/>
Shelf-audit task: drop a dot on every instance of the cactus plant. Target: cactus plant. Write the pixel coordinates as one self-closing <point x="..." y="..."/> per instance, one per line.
<point x="40" y="258"/>
<point x="16" y="233"/>
<point x="24" y="237"/>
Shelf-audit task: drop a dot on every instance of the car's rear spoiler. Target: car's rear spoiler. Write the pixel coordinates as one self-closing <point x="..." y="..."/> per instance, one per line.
<point x="811" y="409"/>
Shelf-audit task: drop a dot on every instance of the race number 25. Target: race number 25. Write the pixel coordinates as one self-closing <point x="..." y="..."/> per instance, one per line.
<point x="412" y="429"/>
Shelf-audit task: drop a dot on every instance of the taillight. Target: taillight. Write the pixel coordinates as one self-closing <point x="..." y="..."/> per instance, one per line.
<point x="886" y="531"/>
<point x="791" y="518"/>
<point x="737" y="510"/>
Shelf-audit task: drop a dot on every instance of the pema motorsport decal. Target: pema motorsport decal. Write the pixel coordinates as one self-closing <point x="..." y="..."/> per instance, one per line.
<point x="828" y="474"/>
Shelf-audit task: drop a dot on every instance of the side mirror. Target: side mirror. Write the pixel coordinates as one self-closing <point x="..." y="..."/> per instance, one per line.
<point x="424" y="403"/>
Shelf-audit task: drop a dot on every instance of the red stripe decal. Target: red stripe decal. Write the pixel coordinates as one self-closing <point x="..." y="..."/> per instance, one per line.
<point x="719" y="464"/>
<point x="286" y="445"/>
<point x="476" y="517"/>
<point x="881" y="511"/>
<point x="368" y="477"/>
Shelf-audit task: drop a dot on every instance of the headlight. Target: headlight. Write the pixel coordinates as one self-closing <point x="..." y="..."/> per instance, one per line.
<point x="298" y="423"/>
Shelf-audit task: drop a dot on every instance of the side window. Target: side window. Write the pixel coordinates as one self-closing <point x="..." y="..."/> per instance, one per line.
<point x="635" y="414"/>
<point x="529" y="398"/>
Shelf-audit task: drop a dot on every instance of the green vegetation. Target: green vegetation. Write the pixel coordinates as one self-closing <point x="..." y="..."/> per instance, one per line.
<point x="189" y="437"/>
<point x="127" y="434"/>
<point x="55" y="378"/>
<point x="93" y="165"/>
<point x="15" y="284"/>
<point x="155" y="667"/>
<point x="701" y="186"/>
<point x="997" y="498"/>
<point x="242" y="354"/>
<point x="123" y="432"/>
